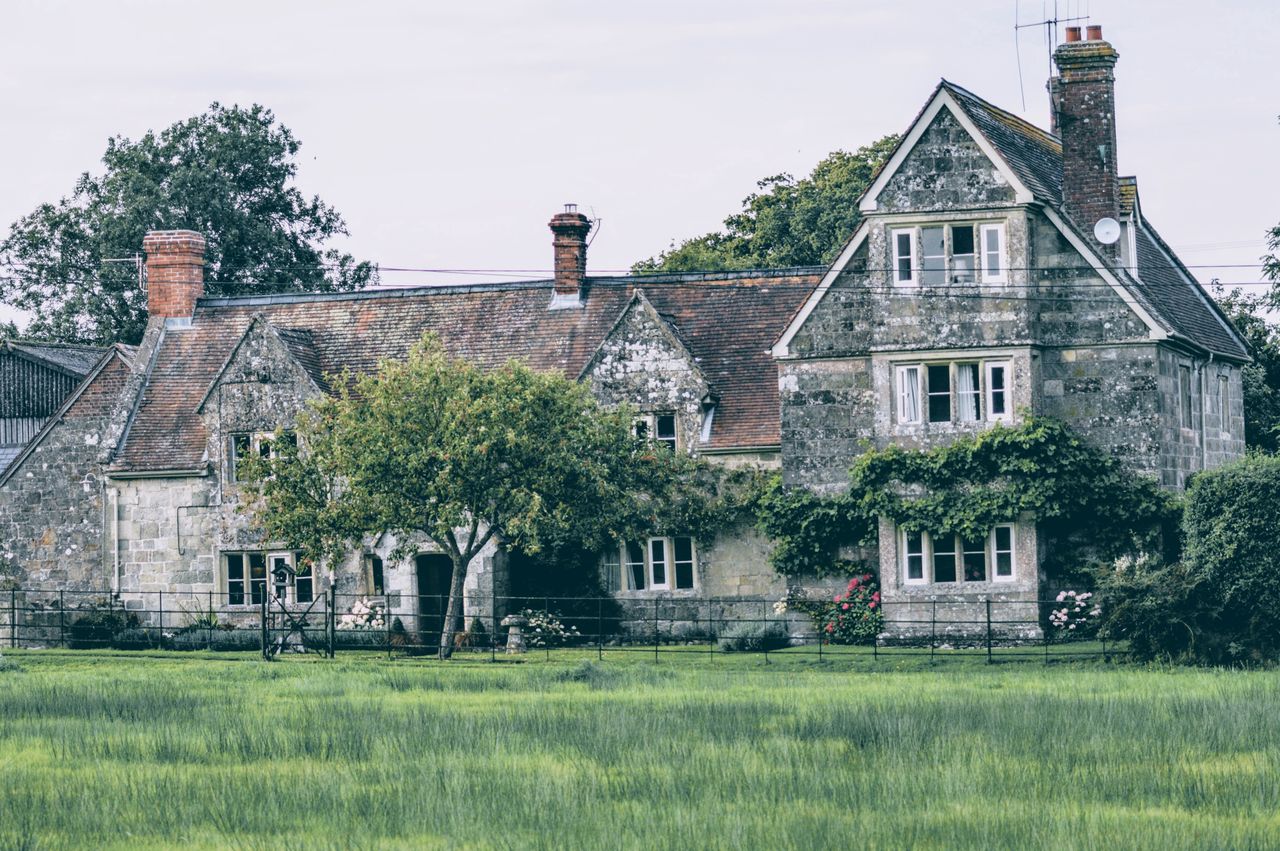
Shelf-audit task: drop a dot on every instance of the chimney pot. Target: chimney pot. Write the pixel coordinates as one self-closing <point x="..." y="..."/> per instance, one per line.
<point x="570" y="230"/>
<point x="1073" y="33"/>
<point x="1094" y="33"/>
<point x="175" y="272"/>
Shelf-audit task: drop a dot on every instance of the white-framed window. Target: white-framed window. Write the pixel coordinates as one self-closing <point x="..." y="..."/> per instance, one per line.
<point x="1184" y="396"/>
<point x="904" y="255"/>
<point x="658" y="564"/>
<point x="660" y="428"/>
<point x="908" y="394"/>
<point x="954" y="391"/>
<point x="248" y="576"/>
<point x="955" y="559"/>
<point x="997" y="390"/>
<point x="935" y="255"/>
<point x="991" y="252"/>
<point x="913" y="556"/>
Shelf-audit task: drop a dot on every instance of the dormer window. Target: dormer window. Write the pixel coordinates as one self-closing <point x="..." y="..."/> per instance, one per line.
<point x="936" y="255"/>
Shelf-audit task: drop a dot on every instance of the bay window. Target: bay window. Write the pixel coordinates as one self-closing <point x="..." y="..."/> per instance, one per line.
<point x="953" y="391"/>
<point x="658" y="564"/>
<point x="948" y="559"/>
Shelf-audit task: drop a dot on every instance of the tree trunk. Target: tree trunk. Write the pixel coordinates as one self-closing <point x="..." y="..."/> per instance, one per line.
<point x="454" y="610"/>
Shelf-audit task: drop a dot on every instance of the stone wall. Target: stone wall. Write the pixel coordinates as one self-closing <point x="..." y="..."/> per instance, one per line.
<point x="946" y="169"/>
<point x="52" y="503"/>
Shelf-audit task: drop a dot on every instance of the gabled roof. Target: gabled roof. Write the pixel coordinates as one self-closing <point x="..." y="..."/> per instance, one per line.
<point x="87" y="387"/>
<point x="1158" y="285"/>
<point x="726" y="320"/>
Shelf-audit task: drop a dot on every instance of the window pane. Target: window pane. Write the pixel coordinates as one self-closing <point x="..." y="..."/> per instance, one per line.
<point x="902" y="254"/>
<point x="1004" y="564"/>
<point x="915" y="555"/>
<point x="1004" y="538"/>
<point x="998" y="403"/>
<point x="944" y="559"/>
<point x="257" y="577"/>
<point x="968" y="392"/>
<point x="666" y="430"/>
<point x="909" y="394"/>
<point x="1184" y="388"/>
<point x="940" y="393"/>
<point x="635" y="567"/>
<point x="239" y="445"/>
<point x="303" y="587"/>
<point x="611" y="569"/>
<point x="375" y="576"/>
<point x="658" y="561"/>
<point x="933" y="256"/>
<point x="975" y="561"/>
<point x="962" y="254"/>
<point x="682" y="550"/>
<point x="642" y="429"/>
<point x="992" y="262"/>
<point x="235" y="580"/>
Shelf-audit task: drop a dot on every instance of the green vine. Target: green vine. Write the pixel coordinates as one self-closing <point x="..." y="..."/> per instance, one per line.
<point x="1087" y="503"/>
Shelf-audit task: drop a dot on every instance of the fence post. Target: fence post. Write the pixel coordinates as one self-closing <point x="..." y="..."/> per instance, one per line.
<point x="988" y="630"/>
<point x="600" y="629"/>
<point x="331" y="622"/>
<point x="711" y="631"/>
<point x="209" y="624"/>
<point x="655" y="629"/>
<point x="162" y="613"/>
<point x="1047" y="636"/>
<point x="933" y="629"/>
<point x="547" y="608"/>
<point x="13" y="617"/>
<point x="263" y="609"/>
<point x="62" y="621"/>
<point x="493" y="632"/>
<point x="764" y="628"/>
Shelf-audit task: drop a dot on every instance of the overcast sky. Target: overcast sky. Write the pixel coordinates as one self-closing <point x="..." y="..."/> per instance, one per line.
<point x="448" y="134"/>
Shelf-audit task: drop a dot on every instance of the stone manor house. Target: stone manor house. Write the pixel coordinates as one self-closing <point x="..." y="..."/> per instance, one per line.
<point x="999" y="268"/>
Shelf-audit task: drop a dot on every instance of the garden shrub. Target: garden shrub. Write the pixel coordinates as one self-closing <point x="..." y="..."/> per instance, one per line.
<point x="98" y="627"/>
<point x="142" y="639"/>
<point x="1221" y="603"/>
<point x="754" y="638"/>
<point x="545" y="629"/>
<point x="851" y="617"/>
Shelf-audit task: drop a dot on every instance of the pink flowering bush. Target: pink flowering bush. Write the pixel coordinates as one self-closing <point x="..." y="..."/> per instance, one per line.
<point x="1078" y="614"/>
<point x="851" y="617"/>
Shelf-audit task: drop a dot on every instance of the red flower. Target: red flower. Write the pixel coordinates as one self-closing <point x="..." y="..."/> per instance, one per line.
<point x="871" y="605"/>
<point x="845" y="606"/>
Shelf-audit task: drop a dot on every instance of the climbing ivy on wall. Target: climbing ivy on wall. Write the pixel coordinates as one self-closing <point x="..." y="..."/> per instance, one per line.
<point x="1086" y="503"/>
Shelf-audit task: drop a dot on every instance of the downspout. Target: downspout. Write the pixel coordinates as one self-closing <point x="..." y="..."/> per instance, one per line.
<point x="1204" y="413"/>
<point x="115" y="541"/>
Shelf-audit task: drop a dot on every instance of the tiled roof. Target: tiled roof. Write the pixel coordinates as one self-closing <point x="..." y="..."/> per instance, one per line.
<point x="1160" y="281"/>
<point x="727" y="320"/>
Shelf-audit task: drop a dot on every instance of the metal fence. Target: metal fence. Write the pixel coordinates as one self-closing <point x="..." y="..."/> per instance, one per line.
<point x="532" y="627"/>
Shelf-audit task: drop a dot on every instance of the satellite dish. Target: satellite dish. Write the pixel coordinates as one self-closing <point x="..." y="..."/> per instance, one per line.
<point x="1107" y="230"/>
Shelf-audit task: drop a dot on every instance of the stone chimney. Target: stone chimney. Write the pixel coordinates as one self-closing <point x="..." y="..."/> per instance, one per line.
<point x="570" y="243"/>
<point x="175" y="272"/>
<point x="1083" y="103"/>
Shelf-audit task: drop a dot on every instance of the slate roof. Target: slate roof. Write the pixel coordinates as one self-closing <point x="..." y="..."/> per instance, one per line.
<point x="727" y="320"/>
<point x="1159" y="280"/>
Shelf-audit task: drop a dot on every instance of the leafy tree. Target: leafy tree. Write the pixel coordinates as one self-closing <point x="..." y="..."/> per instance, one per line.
<point x="437" y="447"/>
<point x="226" y="173"/>
<point x="788" y="222"/>
<point x="1262" y="377"/>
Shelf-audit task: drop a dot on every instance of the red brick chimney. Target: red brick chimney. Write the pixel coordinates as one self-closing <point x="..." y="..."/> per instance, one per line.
<point x="1083" y="104"/>
<point x="570" y="243"/>
<point x="175" y="272"/>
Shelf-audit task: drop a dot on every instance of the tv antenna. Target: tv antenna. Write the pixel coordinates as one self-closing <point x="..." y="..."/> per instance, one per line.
<point x="1050" y="24"/>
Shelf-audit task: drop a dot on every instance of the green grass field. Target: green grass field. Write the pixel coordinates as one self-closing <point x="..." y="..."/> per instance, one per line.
<point x="100" y="751"/>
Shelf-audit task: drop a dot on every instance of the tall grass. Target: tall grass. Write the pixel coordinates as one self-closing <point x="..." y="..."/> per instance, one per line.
<point x="103" y="752"/>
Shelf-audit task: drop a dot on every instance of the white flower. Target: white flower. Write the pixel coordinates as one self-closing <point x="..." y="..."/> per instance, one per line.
<point x="1062" y="595"/>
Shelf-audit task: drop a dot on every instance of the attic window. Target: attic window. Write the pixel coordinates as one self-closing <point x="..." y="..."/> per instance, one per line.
<point x="242" y="445"/>
<point x="936" y="255"/>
